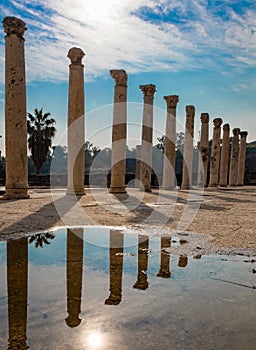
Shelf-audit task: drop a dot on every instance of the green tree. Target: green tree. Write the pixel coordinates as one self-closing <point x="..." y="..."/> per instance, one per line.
<point x="41" y="131"/>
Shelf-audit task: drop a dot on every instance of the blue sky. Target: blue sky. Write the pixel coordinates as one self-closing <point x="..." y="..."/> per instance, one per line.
<point x="203" y="51"/>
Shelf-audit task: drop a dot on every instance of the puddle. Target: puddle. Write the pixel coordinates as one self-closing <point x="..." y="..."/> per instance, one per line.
<point x="115" y="290"/>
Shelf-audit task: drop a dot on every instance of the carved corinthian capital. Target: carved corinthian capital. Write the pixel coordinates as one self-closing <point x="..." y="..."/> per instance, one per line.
<point x="226" y="127"/>
<point x="120" y="76"/>
<point x="190" y="111"/>
<point x="236" y="131"/>
<point x="75" y="54"/>
<point x="13" y="25"/>
<point x="171" y="101"/>
<point x="204" y="118"/>
<point x="243" y="134"/>
<point x="217" y="122"/>
<point x="148" y="90"/>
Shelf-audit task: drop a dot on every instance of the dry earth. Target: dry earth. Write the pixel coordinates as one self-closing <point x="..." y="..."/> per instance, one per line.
<point x="224" y="218"/>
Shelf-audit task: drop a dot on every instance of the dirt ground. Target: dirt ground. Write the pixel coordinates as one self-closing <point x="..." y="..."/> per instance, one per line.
<point x="226" y="217"/>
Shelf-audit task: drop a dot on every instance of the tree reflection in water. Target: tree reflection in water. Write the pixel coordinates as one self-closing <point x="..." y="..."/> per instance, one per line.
<point x="41" y="238"/>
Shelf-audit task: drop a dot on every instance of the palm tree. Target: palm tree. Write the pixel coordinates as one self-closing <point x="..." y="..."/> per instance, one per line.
<point x="41" y="130"/>
<point x="41" y="238"/>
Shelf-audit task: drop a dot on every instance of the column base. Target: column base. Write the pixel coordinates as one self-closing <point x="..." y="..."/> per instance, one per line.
<point x="75" y="191"/>
<point x="223" y="185"/>
<point x="164" y="274"/>
<point x="213" y="185"/>
<point x="169" y="188"/>
<point x="117" y="189"/>
<point x="186" y="187"/>
<point x="16" y="193"/>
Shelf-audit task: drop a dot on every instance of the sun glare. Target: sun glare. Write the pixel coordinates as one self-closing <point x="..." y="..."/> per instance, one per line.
<point x="99" y="10"/>
<point x="95" y="340"/>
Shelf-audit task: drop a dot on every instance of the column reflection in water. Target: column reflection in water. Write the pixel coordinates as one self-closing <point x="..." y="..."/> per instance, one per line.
<point x="17" y="281"/>
<point x="183" y="261"/>
<point x="142" y="279"/>
<point x="164" y="271"/>
<point x="116" y="242"/>
<point x="74" y="275"/>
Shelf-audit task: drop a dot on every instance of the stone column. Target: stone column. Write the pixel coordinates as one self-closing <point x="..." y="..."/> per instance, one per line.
<point x="223" y="181"/>
<point x="15" y="110"/>
<point x="233" y="169"/>
<point x="17" y="284"/>
<point x="215" y="153"/>
<point x="203" y="151"/>
<point x="116" y="244"/>
<point x="169" y="177"/>
<point x="242" y="158"/>
<point x="76" y="123"/>
<point x="188" y="148"/>
<point x="183" y="261"/>
<point x="147" y="136"/>
<point x="142" y="281"/>
<point x="74" y="261"/>
<point x="164" y="271"/>
<point x="119" y="132"/>
<point x="138" y="164"/>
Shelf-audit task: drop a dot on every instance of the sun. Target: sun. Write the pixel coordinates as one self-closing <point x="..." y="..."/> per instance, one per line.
<point x="95" y="340"/>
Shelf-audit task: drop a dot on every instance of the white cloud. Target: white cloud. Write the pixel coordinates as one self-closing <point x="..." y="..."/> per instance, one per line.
<point x="114" y="37"/>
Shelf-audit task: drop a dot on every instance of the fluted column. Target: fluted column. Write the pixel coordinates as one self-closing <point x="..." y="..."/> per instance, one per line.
<point x="76" y="123"/>
<point x="188" y="148"/>
<point x="169" y="177"/>
<point x="242" y="158"/>
<point x="74" y="261"/>
<point x="138" y="164"/>
<point x="223" y="181"/>
<point x="142" y="281"/>
<point x="215" y="153"/>
<point x="116" y="243"/>
<point x="119" y="130"/>
<point x="147" y="136"/>
<point x="164" y="271"/>
<point x="16" y="186"/>
<point x="17" y="281"/>
<point x="233" y="169"/>
<point x="203" y="151"/>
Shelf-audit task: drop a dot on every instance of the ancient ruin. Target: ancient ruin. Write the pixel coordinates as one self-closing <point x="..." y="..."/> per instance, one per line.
<point x="242" y="158"/>
<point x="203" y="151"/>
<point x="233" y="169"/>
<point x="215" y="153"/>
<point x="223" y="179"/>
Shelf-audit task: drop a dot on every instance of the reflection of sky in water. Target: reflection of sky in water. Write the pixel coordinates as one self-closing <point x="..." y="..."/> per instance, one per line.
<point x="191" y="310"/>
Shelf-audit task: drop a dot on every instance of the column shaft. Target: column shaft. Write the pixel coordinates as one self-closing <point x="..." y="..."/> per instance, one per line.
<point x="147" y="136"/>
<point x="138" y="164"/>
<point x="188" y="148"/>
<point x="142" y="281"/>
<point x="169" y="177"/>
<point x="76" y="124"/>
<point x="242" y="158"/>
<point x="203" y="151"/>
<point x="215" y="153"/>
<point x="223" y="181"/>
<point x="15" y="110"/>
<point x="119" y="131"/>
<point x="233" y="169"/>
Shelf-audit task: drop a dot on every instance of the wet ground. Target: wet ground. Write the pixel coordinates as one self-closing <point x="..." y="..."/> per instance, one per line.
<point x="103" y="288"/>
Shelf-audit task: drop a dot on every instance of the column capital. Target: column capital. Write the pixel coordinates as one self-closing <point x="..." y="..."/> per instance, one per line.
<point x="120" y="76"/>
<point x="148" y="90"/>
<point x="217" y="122"/>
<point x="243" y="134"/>
<point x="236" y="131"/>
<point x="226" y="127"/>
<point x="13" y="25"/>
<point x="75" y="54"/>
<point x="190" y="111"/>
<point x="171" y="101"/>
<point x="204" y="118"/>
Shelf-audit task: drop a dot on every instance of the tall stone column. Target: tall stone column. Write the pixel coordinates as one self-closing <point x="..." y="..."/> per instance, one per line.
<point x="169" y="177"/>
<point x="119" y="132"/>
<point x="223" y="181"/>
<point x="147" y="136"/>
<point x="15" y="110"/>
<point x="242" y="158"/>
<point x="215" y="153"/>
<point x="17" y="281"/>
<point x="138" y="164"/>
<point x="164" y="271"/>
<point x="233" y="169"/>
<point x="116" y="244"/>
<point x="76" y="123"/>
<point x="142" y="279"/>
<point x="188" y="148"/>
<point x="203" y="151"/>
<point x="74" y="261"/>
